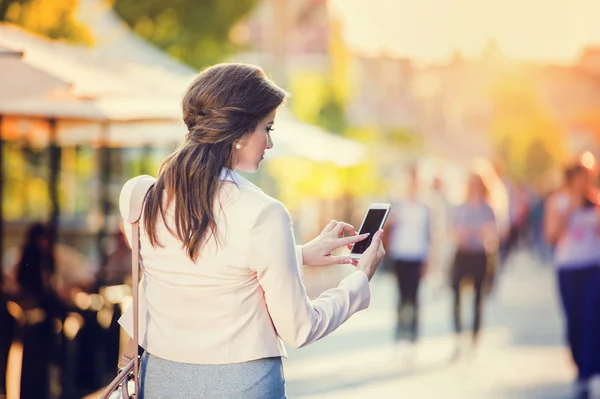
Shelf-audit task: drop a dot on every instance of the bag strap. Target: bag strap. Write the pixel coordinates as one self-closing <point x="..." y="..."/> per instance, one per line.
<point x="136" y="202"/>
<point x="135" y="280"/>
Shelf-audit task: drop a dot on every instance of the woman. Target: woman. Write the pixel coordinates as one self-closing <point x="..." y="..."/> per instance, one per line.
<point x="572" y="225"/>
<point x="222" y="282"/>
<point x="476" y="233"/>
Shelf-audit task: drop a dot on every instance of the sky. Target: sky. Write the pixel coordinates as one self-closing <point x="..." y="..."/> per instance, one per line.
<point x="540" y="30"/>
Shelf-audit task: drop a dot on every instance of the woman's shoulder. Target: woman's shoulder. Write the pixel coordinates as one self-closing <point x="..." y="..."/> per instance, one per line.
<point x="258" y="201"/>
<point x="133" y="193"/>
<point x="248" y="204"/>
<point x="251" y="194"/>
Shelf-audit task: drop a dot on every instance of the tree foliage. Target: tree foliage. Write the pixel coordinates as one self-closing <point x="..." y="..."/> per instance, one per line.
<point x="54" y="19"/>
<point x="195" y="32"/>
<point x="320" y="97"/>
<point x="300" y="178"/>
<point x="314" y="101"/>
<point x="526" y="136"/>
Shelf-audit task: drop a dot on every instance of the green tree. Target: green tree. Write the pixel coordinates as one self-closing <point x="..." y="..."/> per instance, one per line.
<point x="196" y="32"/>
<point x="332" y="115"/>
<point x="320" y="98"/>
<point x="54" y="19"/>
<point x="525" y="134"/>
<point x="314" y="101"/>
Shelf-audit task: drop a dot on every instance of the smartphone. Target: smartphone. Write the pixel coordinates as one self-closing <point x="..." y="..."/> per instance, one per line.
<point x="374" y="220"/>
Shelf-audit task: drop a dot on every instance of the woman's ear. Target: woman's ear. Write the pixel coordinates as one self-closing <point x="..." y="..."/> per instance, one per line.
<point x="241" y="142"/>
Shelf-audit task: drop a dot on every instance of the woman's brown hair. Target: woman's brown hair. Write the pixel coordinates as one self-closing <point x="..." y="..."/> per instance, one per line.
<point x="484" y="192"/>
<point x="223" y="104"/>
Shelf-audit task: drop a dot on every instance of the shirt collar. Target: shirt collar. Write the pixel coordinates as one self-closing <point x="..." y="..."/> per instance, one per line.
<point x="230" y="175"/>
<point x="227" y="174"/>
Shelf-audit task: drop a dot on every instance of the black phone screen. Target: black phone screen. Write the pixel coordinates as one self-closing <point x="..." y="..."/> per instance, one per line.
<point x="371" y="225"/>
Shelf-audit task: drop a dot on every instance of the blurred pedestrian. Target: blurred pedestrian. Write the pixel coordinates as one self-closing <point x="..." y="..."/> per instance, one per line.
<point x="572" y="224"/>
<point x="476" y="235"/>
<point x="40" y="309"/>
<point x="222" y="282"/>
<point x="409" y="245"/>
<point x="36" y="265"/>
<point x="518" y="208"/>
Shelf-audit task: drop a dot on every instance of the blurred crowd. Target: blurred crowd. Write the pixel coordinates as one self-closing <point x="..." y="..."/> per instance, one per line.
<point x="467" y="245"/>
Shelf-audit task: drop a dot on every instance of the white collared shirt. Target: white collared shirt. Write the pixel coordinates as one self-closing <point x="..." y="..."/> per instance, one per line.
<point x="237" y="301"/>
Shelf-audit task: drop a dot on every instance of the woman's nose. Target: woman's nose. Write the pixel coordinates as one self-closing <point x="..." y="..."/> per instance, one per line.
<point x="269" y="142"/>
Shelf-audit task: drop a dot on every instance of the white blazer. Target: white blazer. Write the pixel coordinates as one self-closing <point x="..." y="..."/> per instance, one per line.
<point x="237" y="301"/>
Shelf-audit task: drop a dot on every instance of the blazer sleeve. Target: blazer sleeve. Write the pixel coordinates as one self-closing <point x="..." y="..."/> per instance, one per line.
<point x="274" y="256"/>
<point x="125" y="199"/>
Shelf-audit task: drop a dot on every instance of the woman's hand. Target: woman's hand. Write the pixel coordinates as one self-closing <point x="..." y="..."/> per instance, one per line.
<point x="371" y="258"/>
<point x="318" y="251"/>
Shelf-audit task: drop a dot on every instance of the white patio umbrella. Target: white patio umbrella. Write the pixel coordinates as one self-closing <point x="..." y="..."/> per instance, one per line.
<point x="19" y="79"/>
<point x="133" y="81"/>
<point x="105" y="109"/>
<point x="292" y="137"/>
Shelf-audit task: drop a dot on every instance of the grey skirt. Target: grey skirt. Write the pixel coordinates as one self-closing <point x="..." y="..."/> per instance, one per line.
<point x="256" y="379"/>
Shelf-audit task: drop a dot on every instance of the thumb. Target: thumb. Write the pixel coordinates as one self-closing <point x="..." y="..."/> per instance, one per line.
<point x="375" y="242"/>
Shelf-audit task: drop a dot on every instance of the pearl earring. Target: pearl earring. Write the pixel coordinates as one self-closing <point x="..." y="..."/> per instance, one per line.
<point x="238" y="146"/>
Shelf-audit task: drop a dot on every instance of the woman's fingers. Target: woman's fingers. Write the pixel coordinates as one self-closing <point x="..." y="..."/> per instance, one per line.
<point x="342" y="228"/>
<point x="369" y="261"/>
<point x="350" y="240"/>
<point x="330" y="226"/>
<point x="340" y="260"/>
<point x="376" y="246"/>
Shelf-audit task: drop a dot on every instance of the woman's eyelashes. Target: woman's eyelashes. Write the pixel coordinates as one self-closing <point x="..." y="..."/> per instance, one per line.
<point x="270" y="128"/>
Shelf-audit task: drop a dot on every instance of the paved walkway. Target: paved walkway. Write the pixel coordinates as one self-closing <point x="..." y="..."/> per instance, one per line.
<point x="521" y="354"/>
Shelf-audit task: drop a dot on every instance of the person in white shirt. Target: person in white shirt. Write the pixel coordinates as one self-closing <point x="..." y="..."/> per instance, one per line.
<point x="409" y="246"/>
<point x="222" y="276"/>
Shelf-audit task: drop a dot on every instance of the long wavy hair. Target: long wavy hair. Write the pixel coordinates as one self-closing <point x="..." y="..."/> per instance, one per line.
<point x="223" y="104"/>
<point x="480" y="190"/>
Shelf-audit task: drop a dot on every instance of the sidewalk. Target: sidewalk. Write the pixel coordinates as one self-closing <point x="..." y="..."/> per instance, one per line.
<point x="521" y="354"/>
<point x="498" y="370"/>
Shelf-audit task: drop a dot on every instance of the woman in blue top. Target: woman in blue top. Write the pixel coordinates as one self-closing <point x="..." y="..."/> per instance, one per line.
<point x="475" y="232"/>
<point x="572" y="225"/>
